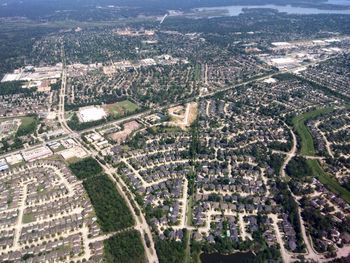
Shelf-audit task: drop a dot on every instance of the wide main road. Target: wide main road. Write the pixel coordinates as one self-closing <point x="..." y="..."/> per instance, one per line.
<point x="141" y="223"/>
<point x="62" y="96"/>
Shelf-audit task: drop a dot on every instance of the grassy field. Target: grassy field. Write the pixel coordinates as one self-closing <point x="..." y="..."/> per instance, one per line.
<point x="307" y="148"/>
<point x="189" y="210"/>
<point x="164" y="129"/>
<point x="307" y="143"/>
<point x="26" y="121"/>
<point x="197" y="72"/>
<point x="27" y="218"/>
<point x="121" y="108"/>
<point x="28" y="126"/>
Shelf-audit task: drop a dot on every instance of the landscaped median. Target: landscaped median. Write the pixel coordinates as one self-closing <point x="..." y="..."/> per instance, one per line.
<point x="308" y="149"/>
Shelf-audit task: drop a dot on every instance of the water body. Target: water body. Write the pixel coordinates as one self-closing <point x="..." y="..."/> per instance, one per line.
<point x="233" y="258"/>
<point x="238" y="9"/>
<point x="338" y="2"/>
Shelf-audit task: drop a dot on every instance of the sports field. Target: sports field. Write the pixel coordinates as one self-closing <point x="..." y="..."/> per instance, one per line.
<point x="121" y="108"/>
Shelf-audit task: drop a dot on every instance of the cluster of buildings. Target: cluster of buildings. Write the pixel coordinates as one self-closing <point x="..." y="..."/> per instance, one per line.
<point x="330" y="235"/>
<point x="9" y="128"/>
<point x="240" y="137"/>
<point x="217" y="179"/>
<point x="16" y="105"/>
<point x="36" y="77"/>
<point x="333" y="73"/>
<point x="133" y="32"/>
<point x="232" y="70"/>
<point x="164" y="60"/>
<point x="67" y="148"/>
<point x="297" y="54"/>
<point x="46" y="216"/>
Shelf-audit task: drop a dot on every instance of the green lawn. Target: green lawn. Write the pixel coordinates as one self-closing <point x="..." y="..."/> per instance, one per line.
<point x="28" y="125"/>
<point x="307" y="143"/>
<point x="189" y="210"/>
<point x="121" y="108"/>
<point x="197" y="72"/>
<point x="27" y="218"/>
<point x="26" y="121"/>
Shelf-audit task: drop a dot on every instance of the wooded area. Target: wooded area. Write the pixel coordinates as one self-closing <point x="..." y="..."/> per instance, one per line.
<point x="111" y="210"/>
<point x="85" y="168"/>
<point x="125" y="248"/>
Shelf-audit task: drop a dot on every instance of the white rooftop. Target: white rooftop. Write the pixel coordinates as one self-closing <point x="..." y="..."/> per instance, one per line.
<point x="270" y="80"/>
<point x="283" y="60"/>
<point x="92" y="113"/>
<point x="279" y="44"/>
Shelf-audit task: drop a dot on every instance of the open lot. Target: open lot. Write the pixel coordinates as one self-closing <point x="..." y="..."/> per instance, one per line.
<point x="121" y="108"/>
<point x="183" y="116"/>
<point x="28" y="125"/>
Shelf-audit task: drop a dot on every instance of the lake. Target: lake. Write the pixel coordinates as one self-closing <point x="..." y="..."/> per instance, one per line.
<point x="238" y="257"/>
<point x="238" y="9"/>
<point x="338" y="2"/>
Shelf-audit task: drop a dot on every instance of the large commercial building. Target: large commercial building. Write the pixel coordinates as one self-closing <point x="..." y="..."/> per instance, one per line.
<point x="91" y="113"/>
<point x="37" y="153"/>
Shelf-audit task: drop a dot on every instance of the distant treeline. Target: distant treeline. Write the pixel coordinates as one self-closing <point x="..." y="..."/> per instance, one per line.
<point x="39" y="9"/>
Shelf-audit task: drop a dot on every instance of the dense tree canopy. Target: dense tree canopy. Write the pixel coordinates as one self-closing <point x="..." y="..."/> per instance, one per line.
<point x="86" y="168"/>
<point x="111" y="210"/>
<point x="125" y="248"/>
